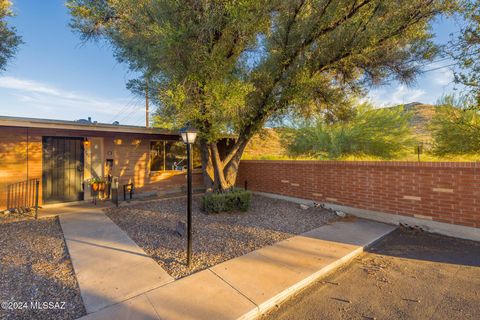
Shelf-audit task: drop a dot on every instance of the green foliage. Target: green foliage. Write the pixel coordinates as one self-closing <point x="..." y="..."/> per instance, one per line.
<point x="95" y="180"/>
<point x="464" y="48"/>
<point x="234" y="200"/>
<point x="9" y="40"/>
<point x="382" y="133"/>
<point x="456" y="127"/>
<point x="230" y="66"/>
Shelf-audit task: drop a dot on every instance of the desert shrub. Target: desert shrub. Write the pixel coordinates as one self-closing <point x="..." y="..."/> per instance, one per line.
<point x="382" y="133"/>
<point x="456" y="127"/>
<point x="234" y="200"/>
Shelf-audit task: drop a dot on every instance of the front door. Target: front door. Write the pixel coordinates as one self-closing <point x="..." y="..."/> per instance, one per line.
<point x="62" y="169"/>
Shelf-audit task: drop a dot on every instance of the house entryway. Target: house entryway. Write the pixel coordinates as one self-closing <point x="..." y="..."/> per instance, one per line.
<point x="62" y="169"/>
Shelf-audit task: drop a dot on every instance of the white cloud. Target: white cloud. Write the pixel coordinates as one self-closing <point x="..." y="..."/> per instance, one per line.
<point x="443" y="76"/>
<point x="38" y="99"/>
<point x="400" y="94"/>
<point x="27" y="85"/>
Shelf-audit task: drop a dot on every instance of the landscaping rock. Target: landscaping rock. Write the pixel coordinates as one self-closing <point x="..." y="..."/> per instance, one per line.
<point x="35" y="267"/>
<point x="341" y="214"/>
<point x="216" y="237"/>
<point x="181" y="229"/>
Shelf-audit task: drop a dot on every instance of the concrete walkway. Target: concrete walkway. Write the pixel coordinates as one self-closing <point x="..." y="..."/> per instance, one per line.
<point x="244" y="287"/>
<point x="110" y="267"/>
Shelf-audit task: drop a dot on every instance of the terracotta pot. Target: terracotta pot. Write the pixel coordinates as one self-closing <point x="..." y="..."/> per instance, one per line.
<point x="101" y="186"/>
<point x="95" y="186"/>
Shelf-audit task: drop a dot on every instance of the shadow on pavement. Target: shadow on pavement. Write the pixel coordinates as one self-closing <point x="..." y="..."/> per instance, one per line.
<point x="418" y="245"/>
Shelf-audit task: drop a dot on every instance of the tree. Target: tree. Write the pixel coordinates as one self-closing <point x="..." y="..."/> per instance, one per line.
<point x="456" y="126"/>
<point x="465" y="49"/>
<point x="9" y="40"/>
<point x="230" y="66"/>
<point x="383" y="133"/>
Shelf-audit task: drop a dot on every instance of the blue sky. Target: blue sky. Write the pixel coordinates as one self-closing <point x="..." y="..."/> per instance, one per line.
<point x="56" y="76"/>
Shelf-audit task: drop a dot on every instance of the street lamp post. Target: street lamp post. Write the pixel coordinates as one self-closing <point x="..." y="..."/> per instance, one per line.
<point x="189" y="134"/>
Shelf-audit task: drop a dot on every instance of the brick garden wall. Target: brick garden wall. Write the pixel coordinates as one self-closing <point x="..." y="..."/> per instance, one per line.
<point x="445" y="191"/>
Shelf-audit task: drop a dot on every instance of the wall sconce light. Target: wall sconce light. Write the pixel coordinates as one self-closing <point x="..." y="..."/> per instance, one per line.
<point x="86" y="142"/>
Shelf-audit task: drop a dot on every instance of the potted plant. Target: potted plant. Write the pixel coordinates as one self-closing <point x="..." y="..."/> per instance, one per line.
<point x="97" y="183"/>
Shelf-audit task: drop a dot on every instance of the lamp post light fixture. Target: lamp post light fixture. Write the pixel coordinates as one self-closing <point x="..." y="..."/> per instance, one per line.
<point x="189" y="135"/>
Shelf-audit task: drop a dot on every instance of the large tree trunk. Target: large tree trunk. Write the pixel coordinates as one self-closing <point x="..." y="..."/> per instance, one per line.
<point x="220" y="174"/>
<point x="220" y="183"/>
<point x="231" y="168"/>
<point x="207" y="167"/>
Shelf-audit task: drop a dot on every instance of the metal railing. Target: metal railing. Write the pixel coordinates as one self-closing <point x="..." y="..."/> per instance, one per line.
<point x="23" y="196"/>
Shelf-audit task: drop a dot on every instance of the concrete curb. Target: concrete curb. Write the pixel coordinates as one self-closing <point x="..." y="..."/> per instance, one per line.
<point x="250" y="285"/>
<point x="301" y="285"/>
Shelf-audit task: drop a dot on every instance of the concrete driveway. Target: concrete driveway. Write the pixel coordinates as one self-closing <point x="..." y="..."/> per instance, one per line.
<point x="408" y="275"/>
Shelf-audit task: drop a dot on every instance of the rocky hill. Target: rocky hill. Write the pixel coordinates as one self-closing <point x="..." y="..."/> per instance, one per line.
<point x="422" y="115"/>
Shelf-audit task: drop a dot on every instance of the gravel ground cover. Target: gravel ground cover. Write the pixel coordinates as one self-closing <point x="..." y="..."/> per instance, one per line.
<point x="35" y="269"/>
<point x="216" y="237"/>
<point x="7" y="216"/>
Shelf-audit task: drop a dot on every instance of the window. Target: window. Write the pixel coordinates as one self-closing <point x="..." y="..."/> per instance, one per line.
<point x="171" y="155"/>
<point x="167" y="155"/>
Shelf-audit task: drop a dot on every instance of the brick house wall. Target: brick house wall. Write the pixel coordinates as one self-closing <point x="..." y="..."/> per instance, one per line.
<point x="445" y="191"/>
<point x="21" y="159"/>
<point x="131" y="157"/>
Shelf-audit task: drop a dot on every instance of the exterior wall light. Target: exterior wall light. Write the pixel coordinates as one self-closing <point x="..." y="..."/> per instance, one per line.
<point x="189" y="134"/>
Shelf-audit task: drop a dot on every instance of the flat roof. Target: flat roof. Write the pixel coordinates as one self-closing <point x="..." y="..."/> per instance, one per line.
<point x="76" y="125"/>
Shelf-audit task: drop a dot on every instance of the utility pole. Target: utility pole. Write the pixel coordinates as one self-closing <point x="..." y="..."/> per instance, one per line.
<point x="146" y="102"/>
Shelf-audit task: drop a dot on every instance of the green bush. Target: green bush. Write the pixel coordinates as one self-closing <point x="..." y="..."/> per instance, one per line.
<point x="383" y="133"/>
<point x="235" y="200"/>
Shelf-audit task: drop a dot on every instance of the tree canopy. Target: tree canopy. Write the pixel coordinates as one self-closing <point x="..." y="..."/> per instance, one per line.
<point x="230" y="66"/>
<point x="456" y="126"/>
<point x="382" y="133"/>
<point x="9" y="40"/>
<point x="464" y="48"/>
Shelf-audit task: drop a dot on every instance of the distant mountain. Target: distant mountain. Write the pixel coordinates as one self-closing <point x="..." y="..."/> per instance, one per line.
<point x="267" y="144"/>
<point x="422" y="115"/>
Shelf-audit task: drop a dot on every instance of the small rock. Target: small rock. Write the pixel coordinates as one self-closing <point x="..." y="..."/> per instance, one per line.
<point x="341" y="214"/>
<point x="181" y="229"/>
<point x="343" y="300"/>
<point x="304" y="206"/>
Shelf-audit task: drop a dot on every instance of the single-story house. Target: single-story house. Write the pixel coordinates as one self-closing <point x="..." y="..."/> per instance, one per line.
<point x="65" y="155"/>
